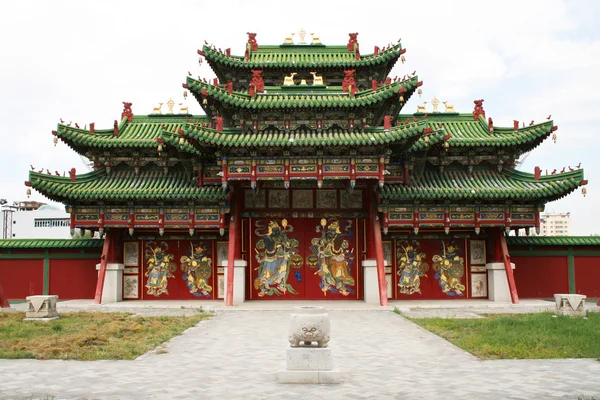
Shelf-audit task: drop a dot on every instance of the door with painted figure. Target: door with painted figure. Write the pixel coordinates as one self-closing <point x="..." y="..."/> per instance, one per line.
<point x="178" y="269"/>
<point x="304" y="259"/>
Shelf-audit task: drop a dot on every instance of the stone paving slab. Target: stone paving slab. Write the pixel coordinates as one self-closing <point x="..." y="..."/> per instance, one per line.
<point x="236" y="355"/>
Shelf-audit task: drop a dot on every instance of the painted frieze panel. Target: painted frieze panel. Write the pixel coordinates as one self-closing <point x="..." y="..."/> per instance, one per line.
<point x="333" y="257"/>
<point x="276" y="254"/>
<point x="279" y="198"/>
<point x="302" y="199"/>
<point x="131" y="253"/>
<point x="159" y="268"/>
<point x="326" y="198"/>
<point x="478" y="285"/>
<point x="449" y="269"/>
<point x="477" y="252"/>
<point x="351" y="200"/>
<point x="130" y="287"/>
<point x="197" y="269"/>
<point x="411" y="267"/>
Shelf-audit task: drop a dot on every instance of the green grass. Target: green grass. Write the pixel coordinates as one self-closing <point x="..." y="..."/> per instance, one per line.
<point x="521" y="335"/>
<point x="88" y="336"/>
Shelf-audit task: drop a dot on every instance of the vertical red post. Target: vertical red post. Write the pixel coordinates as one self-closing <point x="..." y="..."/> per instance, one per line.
<point x="374" y="220"/>
<point x="233" y="228"/>
<point x="514" y="296"/>
<point x="3" y="299"/>
<point x="103" y="261"/>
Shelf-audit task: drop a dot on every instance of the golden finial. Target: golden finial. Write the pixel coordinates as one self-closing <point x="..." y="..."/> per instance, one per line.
<point x="302" y="34"/>
<point x="170" y="104"/>
<point x="435" y="103"/>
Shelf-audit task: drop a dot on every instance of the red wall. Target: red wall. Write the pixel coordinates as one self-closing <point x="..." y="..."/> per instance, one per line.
<point x="22" y="278"/>
<point x="587" y="276"/>
<point x="541" y="277"/>
<point x="73" y="279"/>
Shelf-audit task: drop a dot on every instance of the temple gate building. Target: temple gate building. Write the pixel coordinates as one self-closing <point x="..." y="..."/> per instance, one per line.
<point x="306" y="179"/>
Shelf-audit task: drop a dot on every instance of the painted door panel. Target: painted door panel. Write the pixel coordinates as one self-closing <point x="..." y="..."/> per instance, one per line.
<point x="306" y="258"/>
<point x="178" y="269"/>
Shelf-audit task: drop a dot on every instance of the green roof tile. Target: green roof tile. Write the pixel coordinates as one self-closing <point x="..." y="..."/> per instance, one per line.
<point x="32" y="244"/>
<point x="464" y="131"/>
<point x="303" y="57"/>
<point x="306" y="99"/>
<point x="124" y="185"/>
<point x="553" y="240"/>
<point x="484" y="184"/>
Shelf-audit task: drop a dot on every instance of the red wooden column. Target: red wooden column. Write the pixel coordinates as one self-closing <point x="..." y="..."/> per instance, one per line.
<point x="501" y="239"/>
<point x="3" y="299"/>
<point x="107" y="250"/>
<point x="231" y="250"/>
<point x="375" y="223"/>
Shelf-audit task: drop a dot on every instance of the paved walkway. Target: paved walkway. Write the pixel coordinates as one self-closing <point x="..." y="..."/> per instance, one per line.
<point x="235" y="355"/>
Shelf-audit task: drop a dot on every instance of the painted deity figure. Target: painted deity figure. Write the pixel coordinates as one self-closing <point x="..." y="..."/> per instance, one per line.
<point x="449" y="268"/>
<point x="275" y="253"/>
<point x="334" y="258"/>
<point x="411" y="268"/>
<point x="160" y="268"/>
<point x="197" y="269"/>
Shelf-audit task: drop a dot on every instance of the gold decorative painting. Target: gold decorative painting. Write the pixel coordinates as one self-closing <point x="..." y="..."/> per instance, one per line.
<point x="197" y="269"/>
<point x="160" y="268"/>
<point x="334" y="256"/>
<point x="276" y="253"/>
<point x="449" y="269"/>
<point x="411" y="268"/>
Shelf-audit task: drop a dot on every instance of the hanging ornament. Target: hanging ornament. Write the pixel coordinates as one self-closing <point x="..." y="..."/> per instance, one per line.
<point x="55" y="141"/>
<point x="420" y="92"/>
<point x="185" y="94"/>
<point x="160" y="148"/>
<point x="583" y="191"/>
<point x="29" y="192"/>
<point x="554" y="137"/>
<point x="401" y="99"/>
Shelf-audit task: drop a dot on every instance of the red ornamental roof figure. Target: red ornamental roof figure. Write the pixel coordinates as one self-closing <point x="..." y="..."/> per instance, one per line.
<point x="349" y="83"/>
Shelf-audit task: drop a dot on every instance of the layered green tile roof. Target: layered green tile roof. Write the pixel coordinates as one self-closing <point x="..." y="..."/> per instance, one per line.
<point x="282" y="100"/>
<point x="302" y="137"/>
<point x="466" y="132"/>
<point x="484" y="184"/>
<point x="303" y="57"/>
<point x="141" y="132"/>
<point x="43" y="244"/>
<point x="125" y="185"/>
<point x="553" y="240"/>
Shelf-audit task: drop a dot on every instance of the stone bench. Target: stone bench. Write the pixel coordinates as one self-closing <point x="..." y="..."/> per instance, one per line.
<point x="42" y="307"/>
<point x="570" y="304"/>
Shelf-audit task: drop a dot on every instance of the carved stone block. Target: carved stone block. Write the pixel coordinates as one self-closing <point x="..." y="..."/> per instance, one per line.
<point x="570" y="304"/>
<point x="42" y="307"/>
<point x="309" y="325"/>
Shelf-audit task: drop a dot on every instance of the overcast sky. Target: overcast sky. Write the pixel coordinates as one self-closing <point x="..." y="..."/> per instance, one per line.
<point x="78" y="60"/>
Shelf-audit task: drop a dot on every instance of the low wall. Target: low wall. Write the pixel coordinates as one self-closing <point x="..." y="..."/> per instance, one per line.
<point x="549" y="265"/>
<point x="66" y="268"/>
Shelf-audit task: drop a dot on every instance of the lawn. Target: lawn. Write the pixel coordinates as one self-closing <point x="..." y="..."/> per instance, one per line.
<point x="88" y="336"/>
<point x="511" y="336"/>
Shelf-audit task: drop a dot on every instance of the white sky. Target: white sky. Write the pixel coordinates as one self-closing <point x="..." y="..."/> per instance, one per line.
<point x="79" y="60"/>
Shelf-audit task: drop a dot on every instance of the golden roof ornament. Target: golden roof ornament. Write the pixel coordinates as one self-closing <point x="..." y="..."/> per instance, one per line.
<point x="449" y="107"/>
<point x="421" y="108"/>
<point x="302" y="34"/>
<point x="435" y="103"/>
<point x="315" y="39"/>
<point x="300" y="37"/>
<point x="156" y="110"/>
<point x="170" y="104"/>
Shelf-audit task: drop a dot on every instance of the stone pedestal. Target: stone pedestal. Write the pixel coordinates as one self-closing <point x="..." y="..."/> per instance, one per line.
<point x="570" y="304"/>
<point x="239" y="281"/>
<point x="41" y="308"/>
<point x="309" y="365"/>
<point x="310" y="362"/>
<point x="371" y="281"/>
<point x="498" y="282"/>
<point x="113" y="283"/>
